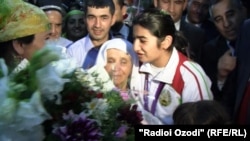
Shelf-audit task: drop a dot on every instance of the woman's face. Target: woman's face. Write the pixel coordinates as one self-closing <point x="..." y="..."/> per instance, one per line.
<point x="119" y="67"/>
<point x="146" y="47"/>
<point x="76" y="27"/>
<point x="35" y="45"/>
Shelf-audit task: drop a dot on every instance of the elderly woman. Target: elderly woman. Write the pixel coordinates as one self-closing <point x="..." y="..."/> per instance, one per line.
<point x="118" y="59"/>
<point x="24" y="29"/>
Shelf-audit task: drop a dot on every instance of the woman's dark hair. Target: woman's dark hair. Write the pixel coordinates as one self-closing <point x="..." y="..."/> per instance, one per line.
<point x="8" y="53"/>
<point x="205" y="112"/>
<point x="27" y="39"/>
<point x="181" y="43"/>
<point x="160" y="24"/>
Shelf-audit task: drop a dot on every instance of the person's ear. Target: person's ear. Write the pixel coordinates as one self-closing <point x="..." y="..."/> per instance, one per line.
<point x="167" y="42"/>
<point x="113" y="20"/>
<point x="18" y="46"/>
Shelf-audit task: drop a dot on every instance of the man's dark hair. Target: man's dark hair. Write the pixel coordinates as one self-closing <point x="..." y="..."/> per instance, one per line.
<point x="236" y="3"/>
<point x="100" y="4"/>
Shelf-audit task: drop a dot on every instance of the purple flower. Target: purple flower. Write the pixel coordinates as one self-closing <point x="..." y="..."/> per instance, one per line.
<point x="121" y="132"/>
<point x="78" y="128"/>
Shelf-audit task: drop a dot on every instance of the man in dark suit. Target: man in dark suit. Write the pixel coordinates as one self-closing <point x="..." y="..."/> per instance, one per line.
<point x="198" y="15"/>
<point x="218" y="57"/>
<point x="242" y="103"/>
<point x="195" y="36"/>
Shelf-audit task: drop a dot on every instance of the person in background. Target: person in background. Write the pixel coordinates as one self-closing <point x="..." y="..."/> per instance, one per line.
<point x="24" y="29"/>
<point x="166" y="78"/>
<point x="242" y="83"/>
<point x="246" y="4"/>
<point x="55" y="13"/>
<point x="75" y="5"/>
<point x="118" y="58"/>
<point x="205" y="112"/>
<point x="128" y="2"/>
<point x="198" y="15"/>
<point x="120" y="29"/>
<point x="196" y="36"/>
<point x="99" y="18"/>
<point x="34" y="2"/>
<point x="182" y="44"/>
<point x="218" y="55"/>
<point x="74" y="25"/>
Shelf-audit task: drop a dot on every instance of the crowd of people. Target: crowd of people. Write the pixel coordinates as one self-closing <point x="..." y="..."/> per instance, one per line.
<point x="183" y="62"/>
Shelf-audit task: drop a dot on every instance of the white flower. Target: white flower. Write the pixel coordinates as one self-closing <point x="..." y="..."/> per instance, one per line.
<point x="98" y="108"/>
<point x="25" y="119"/>
<point x="50" y="83"/>
<point x="4" y="85"/>
<point x="4" y="80"/>
<point x="64" y="66"/>
<point x="8" y="110"/>
<point x="54" y="48"/>
<point x="98" y="75"/>
<point x="9" y="133"/>
<point x="31" y="113"/>
<point x="3" y="68"/>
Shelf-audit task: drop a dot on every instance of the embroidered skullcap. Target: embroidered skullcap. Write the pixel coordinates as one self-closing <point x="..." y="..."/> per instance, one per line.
<point x="19" y="19"/>
<point x="46" y="5"/>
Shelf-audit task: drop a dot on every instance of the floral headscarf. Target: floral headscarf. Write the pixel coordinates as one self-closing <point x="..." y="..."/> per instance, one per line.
<point x="20" y="19"/>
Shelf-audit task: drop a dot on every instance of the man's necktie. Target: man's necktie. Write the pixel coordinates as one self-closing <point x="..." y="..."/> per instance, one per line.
<point x="90" y="58"/>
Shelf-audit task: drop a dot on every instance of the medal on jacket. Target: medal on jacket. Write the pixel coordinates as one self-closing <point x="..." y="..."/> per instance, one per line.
<point x="165" y="98"/>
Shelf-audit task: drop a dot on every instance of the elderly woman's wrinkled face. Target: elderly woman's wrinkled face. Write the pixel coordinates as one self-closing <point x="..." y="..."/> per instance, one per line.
<point x="119" y="67"/>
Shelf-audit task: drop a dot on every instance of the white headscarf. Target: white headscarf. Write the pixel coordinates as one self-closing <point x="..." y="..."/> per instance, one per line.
<point x="116" y="43"/>
<point x="120" y="44"/>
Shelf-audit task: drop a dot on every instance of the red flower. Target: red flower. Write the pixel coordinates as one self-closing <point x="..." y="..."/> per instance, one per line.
<point x="130" y="115"/>
<point x="99" y="95"/>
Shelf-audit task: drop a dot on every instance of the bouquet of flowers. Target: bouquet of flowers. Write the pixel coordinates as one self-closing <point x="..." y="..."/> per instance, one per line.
<point x="51" y="99"/>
